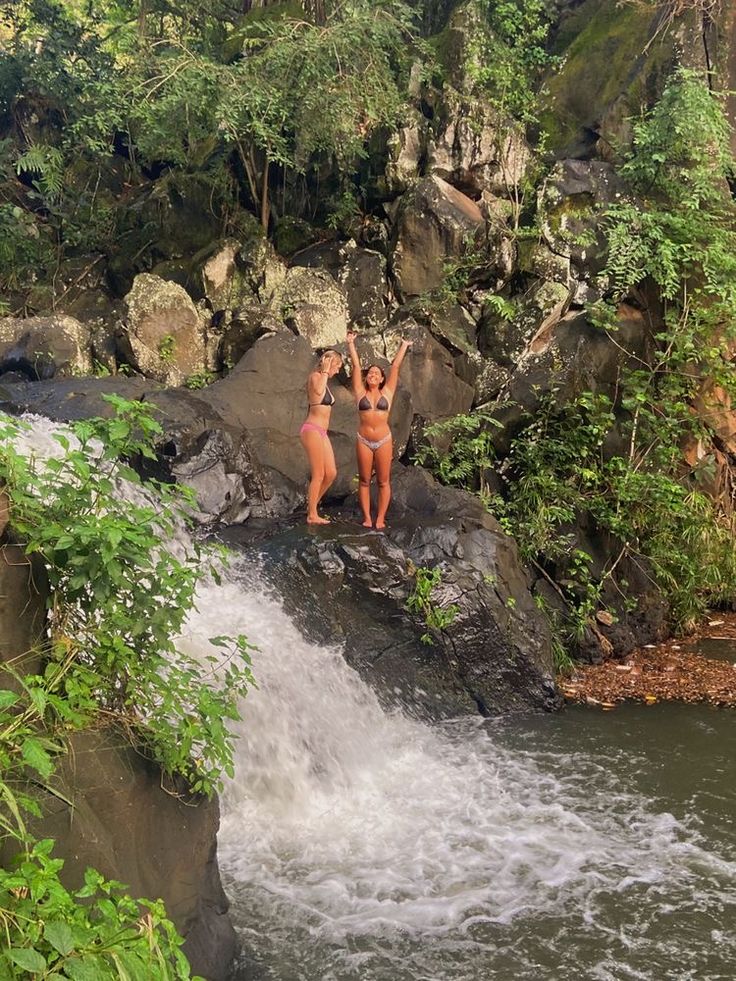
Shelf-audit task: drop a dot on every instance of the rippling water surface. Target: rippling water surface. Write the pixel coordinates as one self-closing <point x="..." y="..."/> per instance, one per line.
<point x="361" y="846"/>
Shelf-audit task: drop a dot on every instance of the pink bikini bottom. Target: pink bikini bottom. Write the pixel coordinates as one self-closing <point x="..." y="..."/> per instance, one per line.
<point x="308" y="426"/>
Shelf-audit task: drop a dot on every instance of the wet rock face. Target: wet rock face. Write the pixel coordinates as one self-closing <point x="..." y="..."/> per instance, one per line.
<point x="44" y="347"/>
<point x="158" y="844"/>
<point x="347" y="585"/>
<point x="198" y="446"/>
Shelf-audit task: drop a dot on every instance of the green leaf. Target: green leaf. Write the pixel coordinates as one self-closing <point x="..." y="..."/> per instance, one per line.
<point x="89" y="969"/>
<point x="59" y="935"/>
<point x="29" y="960"/>
<point x="7" y="698"/>
<point x="36" y="756"/>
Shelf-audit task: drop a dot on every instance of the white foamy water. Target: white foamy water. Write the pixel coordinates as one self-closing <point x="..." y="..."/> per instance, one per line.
<point x="366" y="845"/>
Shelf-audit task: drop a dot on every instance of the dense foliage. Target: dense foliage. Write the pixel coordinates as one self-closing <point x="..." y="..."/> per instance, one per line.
<point x="111" y="658"/>
<point x="262" y="109"/>
<point x="618" y="465"/>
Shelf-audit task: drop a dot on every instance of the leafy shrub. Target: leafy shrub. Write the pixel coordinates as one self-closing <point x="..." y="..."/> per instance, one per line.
<point x="421" y="600"/>
<point x="120" y="597"/>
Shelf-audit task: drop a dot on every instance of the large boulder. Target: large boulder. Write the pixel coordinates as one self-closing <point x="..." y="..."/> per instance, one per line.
<point x="475" y="151"/>
<point x="407" y="148"/>
<point x="161" y="334"/>
<point x="360" y="272"/>
<point x="506" y="338"/>
<point x="616" y="59"/>
<point x="435" y="223"/>
<point x="224" y="283"/>
<point x="346" y="586"/>
<point x="111" y="812"/>
<point x="241" y="328"/>
<point x="313" y="305"/>
<point x="571" y="203"/>
<point x="197" y="447"/>
<point x="428" y="373"/>
<point x="44" y="347"/>
<point x="570" y="356"/>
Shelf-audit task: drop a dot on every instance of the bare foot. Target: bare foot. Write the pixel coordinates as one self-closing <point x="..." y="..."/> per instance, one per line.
<point x="367" y="523"/>
<point x="380" y="525"/>
<point x="317" y="520"/>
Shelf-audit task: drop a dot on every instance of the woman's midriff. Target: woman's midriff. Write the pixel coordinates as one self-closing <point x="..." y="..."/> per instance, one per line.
<point x="319" y="415"/>
<point x="374" y="425"/>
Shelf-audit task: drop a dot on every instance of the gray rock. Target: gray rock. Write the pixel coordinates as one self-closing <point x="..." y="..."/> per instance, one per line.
<point x="361" y="273"/>
<point x="242" y="329"/>
<point x="428" y="373"/>
<point x="161" y="845"/>
<point x="506" y="341"/>
<point x="45" y="347"/>
<point x="197" y="444"/>
<point x="161" y="334"/>
<point x="570" y="206"/>
<point x="347" y="586"/>
<point x="435" y="223"/>
<point x="225" y="285"/>
<point x="453" y="327"/>
<point x="406" y="150"/>
<point x="313" y="305"/>
<point x="475" y="150"/>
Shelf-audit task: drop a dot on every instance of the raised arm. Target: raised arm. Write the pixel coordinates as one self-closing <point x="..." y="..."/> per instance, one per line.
<point x="393" y="372"/>
<point x="318" y="378"/>
<point x="356" y="374"/>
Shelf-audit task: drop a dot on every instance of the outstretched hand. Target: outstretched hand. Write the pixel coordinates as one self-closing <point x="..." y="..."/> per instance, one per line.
<point x="351" y="335"/>
<point x="407" y="342"/>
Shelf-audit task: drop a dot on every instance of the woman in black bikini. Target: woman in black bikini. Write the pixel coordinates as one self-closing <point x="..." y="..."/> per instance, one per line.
<point x="374" y="394"/>
<point x="314" y="436"/>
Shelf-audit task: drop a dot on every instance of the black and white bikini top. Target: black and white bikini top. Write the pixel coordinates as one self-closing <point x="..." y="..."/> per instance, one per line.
<point x="327" y="399"/>
<point x="382" y="405"/>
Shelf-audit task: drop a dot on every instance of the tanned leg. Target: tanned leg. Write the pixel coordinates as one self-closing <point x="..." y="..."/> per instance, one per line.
<point x="312" y="443"/>
<point x="330" y="470"/>
<point x="365" y="472"/>
<point x="382" y="462"/>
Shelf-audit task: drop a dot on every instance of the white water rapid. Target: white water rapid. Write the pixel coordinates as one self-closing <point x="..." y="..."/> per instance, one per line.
<point x="361" y="845"/>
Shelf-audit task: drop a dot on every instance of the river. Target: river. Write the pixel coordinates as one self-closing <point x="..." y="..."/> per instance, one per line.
<point x="358" y="845"/>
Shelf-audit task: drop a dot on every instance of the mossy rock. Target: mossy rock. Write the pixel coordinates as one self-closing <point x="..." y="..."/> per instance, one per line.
<point x="609" y="69"/>
<point x="291" y="235"/>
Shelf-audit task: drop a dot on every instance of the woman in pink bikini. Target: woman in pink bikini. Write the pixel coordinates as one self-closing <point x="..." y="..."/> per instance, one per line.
<point x="314" y="436"/>
<point x="374" y="393"/>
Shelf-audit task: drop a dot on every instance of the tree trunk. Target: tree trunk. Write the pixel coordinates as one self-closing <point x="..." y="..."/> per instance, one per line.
<point x="265" y="209"/>
<point x="142" y="18"/>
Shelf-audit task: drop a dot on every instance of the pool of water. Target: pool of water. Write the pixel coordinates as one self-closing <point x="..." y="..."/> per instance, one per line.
<point x="358" y="845"/>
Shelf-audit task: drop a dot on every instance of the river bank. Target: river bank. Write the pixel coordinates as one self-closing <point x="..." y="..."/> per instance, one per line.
<point x="697" y="668"/>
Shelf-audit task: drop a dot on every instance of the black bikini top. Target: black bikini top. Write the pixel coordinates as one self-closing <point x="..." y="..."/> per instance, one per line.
<point x="327" y="399"/>
<point x="382" y="405"/>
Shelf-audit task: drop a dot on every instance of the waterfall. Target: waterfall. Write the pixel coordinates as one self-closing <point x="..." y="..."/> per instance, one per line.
<point x="365" y="844"/>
